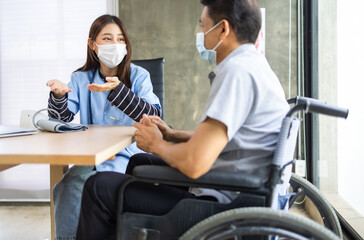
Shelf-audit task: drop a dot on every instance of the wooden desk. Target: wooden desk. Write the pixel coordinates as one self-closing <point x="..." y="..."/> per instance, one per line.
<point x="90" y="147"/>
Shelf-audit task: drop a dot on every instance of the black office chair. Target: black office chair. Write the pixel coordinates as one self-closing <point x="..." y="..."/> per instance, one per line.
<point x="155" y="67"/>
<point x="241" y="217"/>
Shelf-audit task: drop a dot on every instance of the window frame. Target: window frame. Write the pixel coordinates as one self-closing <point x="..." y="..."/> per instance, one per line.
<point x="311" y="89"/>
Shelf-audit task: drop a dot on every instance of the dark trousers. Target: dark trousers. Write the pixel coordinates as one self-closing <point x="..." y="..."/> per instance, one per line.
<point x="100" y="199"/>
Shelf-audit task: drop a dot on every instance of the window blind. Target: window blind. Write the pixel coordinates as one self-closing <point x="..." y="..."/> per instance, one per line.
<point x="40" y="40"/>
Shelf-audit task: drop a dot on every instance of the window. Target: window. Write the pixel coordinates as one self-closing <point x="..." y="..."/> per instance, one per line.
<point x="340" y="160"/>
<point x="39" y="40"/>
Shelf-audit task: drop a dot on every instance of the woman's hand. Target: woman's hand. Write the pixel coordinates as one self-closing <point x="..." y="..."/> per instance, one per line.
<point x="147" y="134"/>
<point x="58" y="88"/>
<point x="111" y="83"/>
<point x="162" y="126"/>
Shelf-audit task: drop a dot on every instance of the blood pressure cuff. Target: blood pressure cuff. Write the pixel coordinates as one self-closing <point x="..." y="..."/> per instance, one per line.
<point x="59" y="126"/>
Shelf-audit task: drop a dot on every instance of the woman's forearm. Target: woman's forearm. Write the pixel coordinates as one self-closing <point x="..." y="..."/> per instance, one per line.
<point x="132" y="105"/>
<point x="60" y="106"/>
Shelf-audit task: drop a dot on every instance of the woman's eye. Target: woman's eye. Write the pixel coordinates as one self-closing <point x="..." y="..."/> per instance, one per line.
<point x="107" y="39"/>
<point x="121" y="40"/>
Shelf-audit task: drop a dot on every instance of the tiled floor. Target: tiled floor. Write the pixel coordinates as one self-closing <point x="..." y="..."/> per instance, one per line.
<point x="31" y="221"/>
<point x="26" y="221"/>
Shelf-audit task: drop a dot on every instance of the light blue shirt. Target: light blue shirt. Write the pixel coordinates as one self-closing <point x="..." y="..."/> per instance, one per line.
<point x="247" y="97"/>
<point x="94" y="108"/>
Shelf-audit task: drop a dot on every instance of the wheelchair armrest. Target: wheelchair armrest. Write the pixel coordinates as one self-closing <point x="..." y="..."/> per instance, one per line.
<point x="168" y="175"/>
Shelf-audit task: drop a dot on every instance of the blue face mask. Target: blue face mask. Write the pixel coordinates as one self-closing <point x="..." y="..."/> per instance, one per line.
<point x="208" y="55"/>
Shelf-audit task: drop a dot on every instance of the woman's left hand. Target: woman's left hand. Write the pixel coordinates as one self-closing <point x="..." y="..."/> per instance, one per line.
<point x="111" y="83"/>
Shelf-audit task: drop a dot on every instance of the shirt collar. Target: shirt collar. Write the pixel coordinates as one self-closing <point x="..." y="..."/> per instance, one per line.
<point x="242" y="48"/>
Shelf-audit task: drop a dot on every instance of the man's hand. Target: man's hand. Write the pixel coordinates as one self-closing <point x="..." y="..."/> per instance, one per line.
<point x="162" y="126"/>
<point x="147" y="134"/>
<point x="58" y="88"/>
<point x="111" y="84"/>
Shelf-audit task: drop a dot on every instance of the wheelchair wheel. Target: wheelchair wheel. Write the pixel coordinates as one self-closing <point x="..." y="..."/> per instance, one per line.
<point x="304" y="188"/>
<point x="257" y="221"/>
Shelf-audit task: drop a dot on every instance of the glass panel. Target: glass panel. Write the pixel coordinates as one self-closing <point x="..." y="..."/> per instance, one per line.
<point x="281" y="41"/>
<point x="341" y="51"/>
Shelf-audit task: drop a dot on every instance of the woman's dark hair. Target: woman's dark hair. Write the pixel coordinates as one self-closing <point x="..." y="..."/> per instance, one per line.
<point x="243" y="15"/>
<point x="92" y="61"/>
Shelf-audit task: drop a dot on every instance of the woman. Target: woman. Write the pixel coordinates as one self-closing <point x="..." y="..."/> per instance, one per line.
<point x="108" y="89"/>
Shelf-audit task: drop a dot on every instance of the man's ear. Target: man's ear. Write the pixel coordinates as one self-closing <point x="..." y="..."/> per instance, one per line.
<point x="225" y="29"/>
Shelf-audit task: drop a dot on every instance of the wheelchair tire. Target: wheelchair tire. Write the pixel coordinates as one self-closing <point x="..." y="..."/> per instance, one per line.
<point x="325" y="209"/>
<point x="257" y="221"/>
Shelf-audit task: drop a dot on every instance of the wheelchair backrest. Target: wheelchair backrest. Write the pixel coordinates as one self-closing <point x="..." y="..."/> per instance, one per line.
<point x="284" y="154"/>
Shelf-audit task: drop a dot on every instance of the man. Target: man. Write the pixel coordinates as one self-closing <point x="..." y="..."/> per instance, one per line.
<point x="238" y="129"/>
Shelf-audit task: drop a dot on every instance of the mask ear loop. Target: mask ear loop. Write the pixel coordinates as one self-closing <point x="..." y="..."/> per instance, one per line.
<point x="213" y="27"/>
<point x="48" y="109"/>
<point x="220" y="40"/>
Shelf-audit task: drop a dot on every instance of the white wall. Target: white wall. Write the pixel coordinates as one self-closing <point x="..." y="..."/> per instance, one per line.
<point x="350" y="94"/>
<point x="39" y="40"/>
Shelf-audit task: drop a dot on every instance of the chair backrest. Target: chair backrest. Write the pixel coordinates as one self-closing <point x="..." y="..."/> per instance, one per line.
<point x="155" y="67"/>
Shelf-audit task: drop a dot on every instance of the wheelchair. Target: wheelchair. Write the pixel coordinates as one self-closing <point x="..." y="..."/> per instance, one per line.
<point x="303" y="191"/>
<point x="254" y="214"/>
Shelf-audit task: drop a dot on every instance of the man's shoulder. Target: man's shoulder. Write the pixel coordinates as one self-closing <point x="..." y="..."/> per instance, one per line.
<point x="246" y="58"/>
<point x="236" y="68"/>
<point x="247" y="65"/>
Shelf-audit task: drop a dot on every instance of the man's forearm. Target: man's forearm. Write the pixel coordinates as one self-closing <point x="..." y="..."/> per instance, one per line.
<point x="178" y="136"/>
<point x="179" y="156"/>
<point x="194" y="157"/>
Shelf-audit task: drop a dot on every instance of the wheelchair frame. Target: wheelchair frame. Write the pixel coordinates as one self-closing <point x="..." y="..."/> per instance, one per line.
<point x="303" y="188"/>
<point x="252" y="192"/>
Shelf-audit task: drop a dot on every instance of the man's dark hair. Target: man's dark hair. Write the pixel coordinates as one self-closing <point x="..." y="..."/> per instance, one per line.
<point x="243" y="15"/>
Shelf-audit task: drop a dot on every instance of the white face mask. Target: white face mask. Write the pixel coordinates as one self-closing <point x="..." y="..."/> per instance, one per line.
<point x="111" y="54"/>
<point x="207" y="54"/>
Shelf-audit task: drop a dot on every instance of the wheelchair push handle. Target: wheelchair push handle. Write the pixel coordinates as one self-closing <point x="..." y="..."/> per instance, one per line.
<point x="316" y="106"/>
